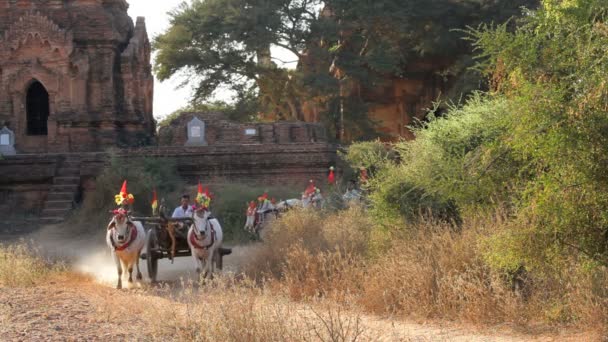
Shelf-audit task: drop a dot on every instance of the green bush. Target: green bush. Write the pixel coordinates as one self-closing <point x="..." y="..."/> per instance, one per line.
<point x="443" y="171"/>
<point x="536" y="146"/>
<point x="143" y="174"/>
<point x="373" y="155"/>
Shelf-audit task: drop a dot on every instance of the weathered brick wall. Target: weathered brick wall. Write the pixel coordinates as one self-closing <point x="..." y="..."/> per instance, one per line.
<point x="220" y="131"/>
<point x="25" y="179"/>
<point x="25" y="182"/>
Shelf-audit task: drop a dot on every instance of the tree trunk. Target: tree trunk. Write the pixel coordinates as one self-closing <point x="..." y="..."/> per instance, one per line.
<point x="264" y="57"/>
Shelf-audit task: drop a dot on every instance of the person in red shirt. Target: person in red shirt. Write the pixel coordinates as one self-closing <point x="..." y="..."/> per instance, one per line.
<point x="250" y="213"/>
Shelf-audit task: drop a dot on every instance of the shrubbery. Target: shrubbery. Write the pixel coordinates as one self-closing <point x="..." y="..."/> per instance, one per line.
<point x="143" y="175"/>
<point x="535" y="145"/>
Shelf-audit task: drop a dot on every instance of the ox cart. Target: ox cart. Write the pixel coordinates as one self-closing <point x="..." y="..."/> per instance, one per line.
<point x="159" y="241"/>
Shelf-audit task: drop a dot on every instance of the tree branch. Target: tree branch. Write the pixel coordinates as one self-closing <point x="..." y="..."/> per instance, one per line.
<point x="287" y="47"/>
<point x="284" y="62"/>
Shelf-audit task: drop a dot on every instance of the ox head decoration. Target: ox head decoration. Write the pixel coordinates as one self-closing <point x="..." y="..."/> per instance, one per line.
<point x="123" y="197"/>
<point x="200" y="214"/>
<point x="120" y="224"/>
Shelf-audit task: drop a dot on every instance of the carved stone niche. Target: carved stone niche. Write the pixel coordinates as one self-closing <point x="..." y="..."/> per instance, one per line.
<point x="196" y="133"/>
<point x="7" y="142"/>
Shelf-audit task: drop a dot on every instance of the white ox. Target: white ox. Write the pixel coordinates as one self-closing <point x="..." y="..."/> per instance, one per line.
<point x="288" y="204"/>
<point x="126" y="240"/>
<point x="205" y="238"/>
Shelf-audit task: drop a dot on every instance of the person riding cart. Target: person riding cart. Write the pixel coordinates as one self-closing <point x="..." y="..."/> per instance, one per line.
<point x="184" y="209"/>
<point x="250" y="214"/>
<point x="264" y="207"/>
<point x="308" y="194"/>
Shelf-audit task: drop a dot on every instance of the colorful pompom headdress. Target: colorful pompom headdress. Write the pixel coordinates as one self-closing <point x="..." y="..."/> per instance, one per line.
<point x="203" y="198"/>
<point x="123" y="197"/>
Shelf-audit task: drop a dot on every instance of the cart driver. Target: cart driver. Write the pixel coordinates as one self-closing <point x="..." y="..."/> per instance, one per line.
<point x="185" y="209"/>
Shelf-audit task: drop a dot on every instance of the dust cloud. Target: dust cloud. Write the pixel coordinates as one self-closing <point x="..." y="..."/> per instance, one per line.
<point x="86" y="252"/>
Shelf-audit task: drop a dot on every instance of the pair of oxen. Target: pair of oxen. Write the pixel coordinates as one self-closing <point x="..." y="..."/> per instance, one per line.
<point x="126" y="240"/>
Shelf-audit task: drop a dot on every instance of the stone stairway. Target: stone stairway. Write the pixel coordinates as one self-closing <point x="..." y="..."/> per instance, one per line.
<point x="60" y="200"/>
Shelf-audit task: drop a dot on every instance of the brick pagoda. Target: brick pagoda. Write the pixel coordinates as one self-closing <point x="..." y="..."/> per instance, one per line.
<point x="74" y="75"/>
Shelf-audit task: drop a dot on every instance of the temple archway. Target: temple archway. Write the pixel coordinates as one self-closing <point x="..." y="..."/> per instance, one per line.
<point x="37" y="104"/>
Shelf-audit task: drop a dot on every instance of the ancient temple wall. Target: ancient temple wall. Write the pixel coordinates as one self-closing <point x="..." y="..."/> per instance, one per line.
<point x="94" y="64"/>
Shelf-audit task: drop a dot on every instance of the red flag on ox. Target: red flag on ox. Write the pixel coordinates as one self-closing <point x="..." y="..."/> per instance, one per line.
<point x="331" y="178"/>
<point x="154" y="201"/>
<point x="200" y="188"/>
<point x="123" y="190"/>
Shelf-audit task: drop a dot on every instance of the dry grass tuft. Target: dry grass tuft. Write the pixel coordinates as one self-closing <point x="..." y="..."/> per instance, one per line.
<point x="439" y="274"/>
<point x="20" y="266"/>
<point x="302" y="231"/>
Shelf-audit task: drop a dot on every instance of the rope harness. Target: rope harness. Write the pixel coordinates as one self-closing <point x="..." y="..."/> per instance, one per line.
<point x="133" y="236"/>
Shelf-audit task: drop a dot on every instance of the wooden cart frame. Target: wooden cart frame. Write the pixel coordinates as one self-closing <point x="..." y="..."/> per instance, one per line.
<point x="158" y="242"/>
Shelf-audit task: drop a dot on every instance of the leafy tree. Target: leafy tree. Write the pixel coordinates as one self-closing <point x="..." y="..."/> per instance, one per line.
<point x="378" y="41"/>
<point x="338" y="43"/>
<point x="553" y="70"/>
<point x="535" y="145"/>
<point x="227" y="43"/>
<point x="243" y="110"/>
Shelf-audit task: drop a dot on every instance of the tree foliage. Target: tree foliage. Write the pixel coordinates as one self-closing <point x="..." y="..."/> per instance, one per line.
<point x="536" y="145"/>
<point x="226" y="43"/>
<point x="222" y="44"/>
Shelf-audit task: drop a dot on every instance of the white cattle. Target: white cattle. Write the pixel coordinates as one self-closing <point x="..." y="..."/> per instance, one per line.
<point x="126" y="240"/>
<point x="288" y="204"/>
<point x="205" y="238"/>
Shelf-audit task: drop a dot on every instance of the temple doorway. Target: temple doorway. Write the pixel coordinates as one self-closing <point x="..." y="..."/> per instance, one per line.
<point x="37" y="109"/>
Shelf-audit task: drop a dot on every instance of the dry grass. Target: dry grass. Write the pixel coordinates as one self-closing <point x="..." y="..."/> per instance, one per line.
<point x="227" y="310"/>
<point x="440" y="274"/>
<point x="435" y="273"/>
<point x="20" y="266"/>
<point x="312" y="233"/>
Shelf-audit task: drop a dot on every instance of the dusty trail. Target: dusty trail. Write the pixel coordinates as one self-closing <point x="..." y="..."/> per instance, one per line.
<point x="80" y="309"/>
<point x="83" y="306"/>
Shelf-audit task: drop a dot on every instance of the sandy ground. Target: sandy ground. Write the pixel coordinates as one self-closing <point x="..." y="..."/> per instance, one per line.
<point x="83" y="307"/>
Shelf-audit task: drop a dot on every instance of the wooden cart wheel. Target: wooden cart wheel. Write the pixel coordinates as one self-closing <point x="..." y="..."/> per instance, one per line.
<point x="152" y="254"/>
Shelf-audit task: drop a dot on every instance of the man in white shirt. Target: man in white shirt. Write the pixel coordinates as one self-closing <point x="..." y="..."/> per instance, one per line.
<point x="184" y="210"/>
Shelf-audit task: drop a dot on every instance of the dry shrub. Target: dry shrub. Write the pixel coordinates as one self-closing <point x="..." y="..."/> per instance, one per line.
<point x="314" y="232"/>
<point x="20" y="266"/>
<point x="312" y="254"/>
<point x="434" y="271"/>
<point x="324" y="274"/>
<point x="574" y="295"/>
<point x="440" y="273"/>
